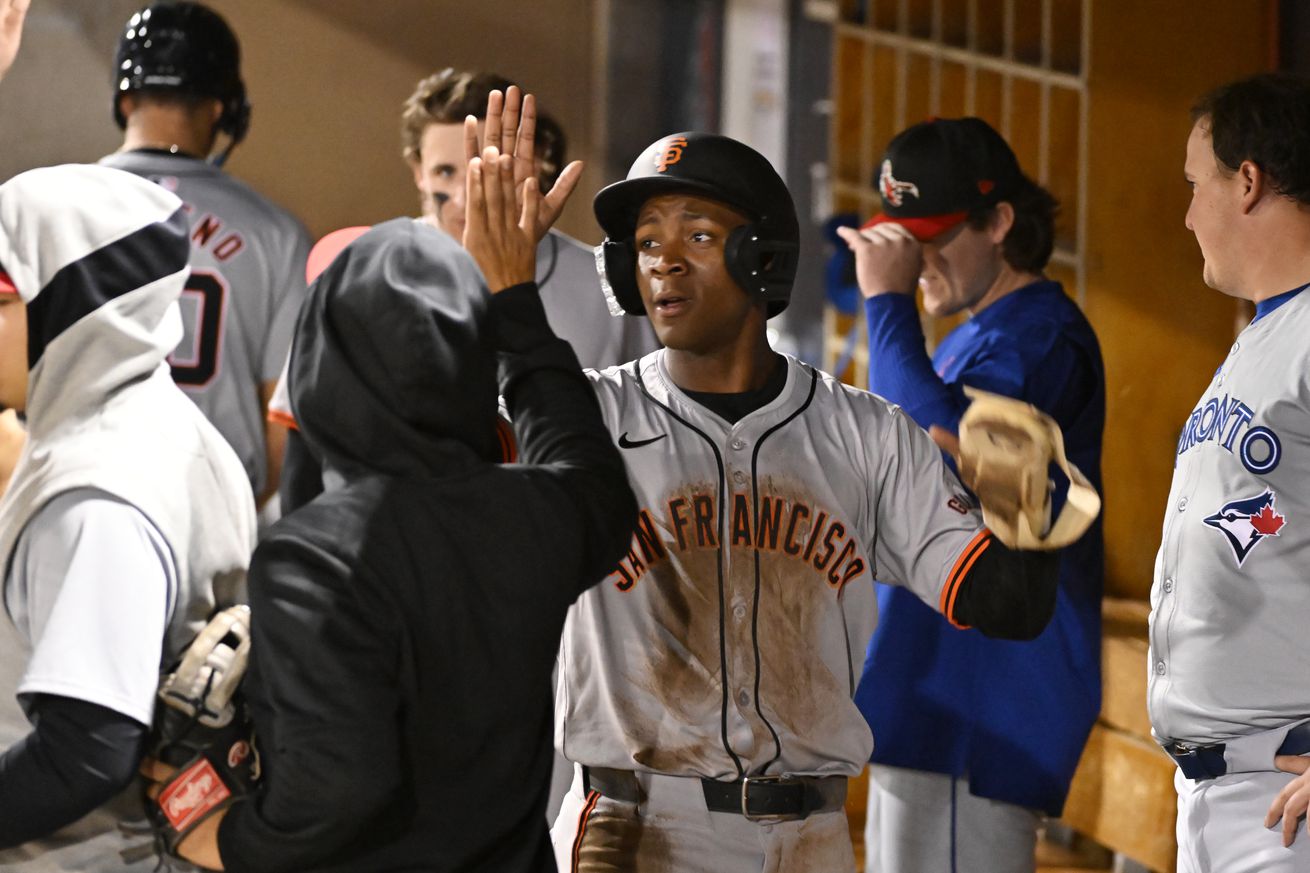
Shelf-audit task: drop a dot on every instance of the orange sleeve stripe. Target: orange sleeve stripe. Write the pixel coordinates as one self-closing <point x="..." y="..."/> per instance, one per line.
<point x="509" y="450"/>
<point x="592" y="797"/>
<point x="286" y="419"/>
<point x="960" y="571"/>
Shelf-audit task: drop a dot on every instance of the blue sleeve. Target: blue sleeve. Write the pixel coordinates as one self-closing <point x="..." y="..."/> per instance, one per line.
<point x="900" y="370"/>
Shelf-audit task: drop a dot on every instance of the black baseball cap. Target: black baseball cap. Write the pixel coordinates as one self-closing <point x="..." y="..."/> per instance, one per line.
<point x="938" y="171"/>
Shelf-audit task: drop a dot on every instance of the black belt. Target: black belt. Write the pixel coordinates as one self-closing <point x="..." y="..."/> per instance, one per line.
<point x="755" y="798"/>
<point x="776" y="798"/>
<point x="1207" y="762"/>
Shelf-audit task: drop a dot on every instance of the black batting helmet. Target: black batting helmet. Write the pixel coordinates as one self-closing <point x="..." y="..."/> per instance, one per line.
<point x="183" y="47"/>
<point x="760" y="255"/>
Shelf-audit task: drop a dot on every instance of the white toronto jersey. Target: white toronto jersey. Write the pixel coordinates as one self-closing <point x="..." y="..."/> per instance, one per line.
<point x="731" y="638"/>
<point x="1230" y="602"/>
<point x="241" y="300"/>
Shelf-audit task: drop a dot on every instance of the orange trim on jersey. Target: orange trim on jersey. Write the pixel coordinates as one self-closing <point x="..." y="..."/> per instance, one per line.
<point x="587" y="809"/>
<point x="286" y="419"/>
<point x="963" y="565"/>
<point x="509" y="449"/>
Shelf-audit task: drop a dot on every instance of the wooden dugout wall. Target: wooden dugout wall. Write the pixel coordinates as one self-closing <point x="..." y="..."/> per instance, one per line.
<point x="1094" y="96"/>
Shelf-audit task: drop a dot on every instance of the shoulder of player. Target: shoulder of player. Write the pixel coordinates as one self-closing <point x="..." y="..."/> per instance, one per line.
<point x="321" y="538"/>
<point x="262" y="209"/>
<point x="60" y="525"/>
<point x="620" y="378"/>
<point x="830" y="389"/>
<point x="569" y="261"/>
<point x="1030" y="333"/>
<point x="209" y="188"/>
<point x="567" y="245"/>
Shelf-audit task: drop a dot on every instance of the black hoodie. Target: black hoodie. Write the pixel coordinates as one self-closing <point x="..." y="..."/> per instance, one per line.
<point x="406" y="621"/>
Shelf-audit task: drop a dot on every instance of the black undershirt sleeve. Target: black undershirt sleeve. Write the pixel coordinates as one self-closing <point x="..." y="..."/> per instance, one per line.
<point x="1008" y="594"/>
<point x="78" y="756"/>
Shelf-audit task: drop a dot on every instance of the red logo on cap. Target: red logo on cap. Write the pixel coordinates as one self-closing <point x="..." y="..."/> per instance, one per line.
<point x="671" y="154"/>
<point x="893" y="191"/>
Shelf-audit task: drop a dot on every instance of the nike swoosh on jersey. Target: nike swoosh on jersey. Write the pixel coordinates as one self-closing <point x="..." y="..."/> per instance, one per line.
<point x="625" y="443"/>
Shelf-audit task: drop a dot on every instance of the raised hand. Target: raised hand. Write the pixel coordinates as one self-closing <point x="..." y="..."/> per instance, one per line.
<point x="511" y="128"/>
<point x="888" y="259"/>
<point x="499" y="232"/>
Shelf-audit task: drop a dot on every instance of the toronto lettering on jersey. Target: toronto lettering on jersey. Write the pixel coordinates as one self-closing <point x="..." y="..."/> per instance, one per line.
<point x="1221" y="420"/>
<point x="787" y="527"/>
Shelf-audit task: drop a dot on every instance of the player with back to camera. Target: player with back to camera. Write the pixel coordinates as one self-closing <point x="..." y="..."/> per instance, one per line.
<point x="1227" y="693"/>
<point x="706" y="686"/>
<point x="177" y="94"/>
<point x="989" y="731"/>
<point x="128" y="519"/>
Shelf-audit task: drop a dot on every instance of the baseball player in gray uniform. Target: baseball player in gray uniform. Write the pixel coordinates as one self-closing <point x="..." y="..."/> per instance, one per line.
<point x="179" y="89"/>
<point x="706" y="685"/>
<point x="1229" y="696"/>
<point x="128" y="518"/>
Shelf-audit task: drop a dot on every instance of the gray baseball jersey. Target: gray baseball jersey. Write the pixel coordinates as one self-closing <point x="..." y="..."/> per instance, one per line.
<point x="240" y="303"/>
<point x="731" y="637"/>
<point x="1230" y="602"/>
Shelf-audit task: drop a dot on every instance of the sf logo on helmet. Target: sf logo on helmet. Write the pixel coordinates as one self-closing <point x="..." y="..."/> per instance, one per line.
<point x="892" y="190"/>
<point x="671" y="153"/>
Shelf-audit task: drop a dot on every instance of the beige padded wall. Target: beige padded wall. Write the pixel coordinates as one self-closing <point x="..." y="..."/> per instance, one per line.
<point x="1162" y="331"/>
<point x="326" y="80"/>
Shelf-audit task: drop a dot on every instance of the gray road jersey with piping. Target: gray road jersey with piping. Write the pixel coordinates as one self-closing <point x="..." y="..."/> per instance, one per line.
<point x="731" y="637"/>
<point x="240" y="303"/>
<point x="1230" y="602"/>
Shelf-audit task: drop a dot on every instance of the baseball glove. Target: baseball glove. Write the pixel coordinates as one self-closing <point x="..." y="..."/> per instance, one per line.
<point x="1006" y="449"/>
<point x="202" y="727"/>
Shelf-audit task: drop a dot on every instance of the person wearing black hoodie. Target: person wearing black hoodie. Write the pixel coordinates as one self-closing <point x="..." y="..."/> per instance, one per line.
<point x="406" y="621"/>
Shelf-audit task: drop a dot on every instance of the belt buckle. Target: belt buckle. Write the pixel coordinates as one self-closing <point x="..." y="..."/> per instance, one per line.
<point x="746" y="783"/>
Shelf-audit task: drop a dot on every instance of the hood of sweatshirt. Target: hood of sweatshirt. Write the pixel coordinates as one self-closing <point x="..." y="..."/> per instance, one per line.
<point x="391" y="368"/>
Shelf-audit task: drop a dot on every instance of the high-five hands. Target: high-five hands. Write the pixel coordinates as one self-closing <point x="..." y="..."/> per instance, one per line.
<point x="498" y="233"/>
<point x="511" y="129"/>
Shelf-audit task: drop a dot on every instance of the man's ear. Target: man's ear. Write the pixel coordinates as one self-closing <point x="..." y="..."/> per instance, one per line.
<point x="1001" y="222"/>
<point x="127" y="104"/>
<point x="1254" y="184"/>
<point x="417" y="169"/>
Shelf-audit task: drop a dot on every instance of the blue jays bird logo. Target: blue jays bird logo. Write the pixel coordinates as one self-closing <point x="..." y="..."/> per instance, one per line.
<point x="1244" y="523"/>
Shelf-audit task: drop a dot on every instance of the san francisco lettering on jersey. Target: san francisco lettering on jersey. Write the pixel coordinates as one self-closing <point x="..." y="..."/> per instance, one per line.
<point x="810" y="535"/>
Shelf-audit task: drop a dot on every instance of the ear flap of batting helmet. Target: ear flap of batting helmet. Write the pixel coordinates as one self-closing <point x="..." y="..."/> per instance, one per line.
<point x="187" y="48"/>
<point x="616" y="261"/>
<point x="761" y="256"/>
